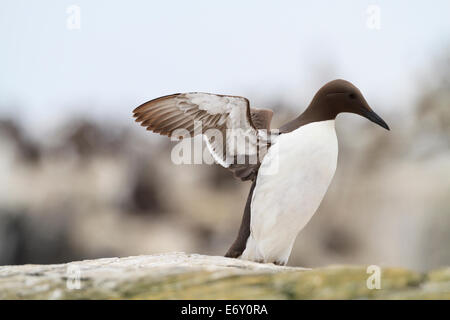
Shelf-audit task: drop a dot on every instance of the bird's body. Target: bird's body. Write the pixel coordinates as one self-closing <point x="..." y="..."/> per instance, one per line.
<point x="291" y="182"/>
<point x="291" y="168"/>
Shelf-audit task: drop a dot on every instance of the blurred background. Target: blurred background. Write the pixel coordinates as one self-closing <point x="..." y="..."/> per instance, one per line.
<point x="79" y="179"/>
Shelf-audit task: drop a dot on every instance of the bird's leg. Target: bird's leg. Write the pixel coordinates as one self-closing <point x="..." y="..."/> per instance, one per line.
<point x="239" y="244"/>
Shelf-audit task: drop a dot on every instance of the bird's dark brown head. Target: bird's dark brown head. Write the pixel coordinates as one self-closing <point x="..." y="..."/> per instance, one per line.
<point x="341" y="96"/>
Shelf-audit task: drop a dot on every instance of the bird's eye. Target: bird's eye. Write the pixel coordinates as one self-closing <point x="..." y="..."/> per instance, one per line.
<point x="352" y="96"/>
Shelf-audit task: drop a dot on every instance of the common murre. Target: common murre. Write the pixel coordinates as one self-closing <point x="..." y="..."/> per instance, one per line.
<point x="281" y="201"/>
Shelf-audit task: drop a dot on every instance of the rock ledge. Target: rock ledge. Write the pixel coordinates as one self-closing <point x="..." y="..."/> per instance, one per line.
<point x="192" y="276"/>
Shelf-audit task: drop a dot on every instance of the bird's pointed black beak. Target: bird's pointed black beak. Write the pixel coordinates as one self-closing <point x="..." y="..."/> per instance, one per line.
<point x="372" y="116"/>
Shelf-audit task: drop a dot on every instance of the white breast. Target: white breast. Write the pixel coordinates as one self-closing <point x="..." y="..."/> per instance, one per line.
<point x="292" y="180"/>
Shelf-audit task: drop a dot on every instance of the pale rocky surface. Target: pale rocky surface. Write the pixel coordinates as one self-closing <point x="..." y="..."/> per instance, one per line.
<point x="192" y="276"/>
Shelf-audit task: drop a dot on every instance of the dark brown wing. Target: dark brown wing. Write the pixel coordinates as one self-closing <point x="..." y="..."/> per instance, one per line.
<point x="261" y="118"/>
<point x="218" y="118"/>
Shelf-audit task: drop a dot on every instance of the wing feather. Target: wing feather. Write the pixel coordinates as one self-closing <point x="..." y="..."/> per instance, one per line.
<point x="231" y="115"/>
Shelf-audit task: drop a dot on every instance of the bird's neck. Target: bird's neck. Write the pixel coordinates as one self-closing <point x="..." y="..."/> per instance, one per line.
<point x="316" y="111"/>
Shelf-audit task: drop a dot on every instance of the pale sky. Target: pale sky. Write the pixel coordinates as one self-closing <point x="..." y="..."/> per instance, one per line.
<point x="127" y="52"/>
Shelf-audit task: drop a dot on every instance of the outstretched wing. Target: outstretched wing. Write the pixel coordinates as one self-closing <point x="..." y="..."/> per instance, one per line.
<point x="234" y="134"/>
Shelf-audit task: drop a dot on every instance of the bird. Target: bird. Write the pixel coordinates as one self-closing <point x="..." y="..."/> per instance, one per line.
<point x="290" y="168"/>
